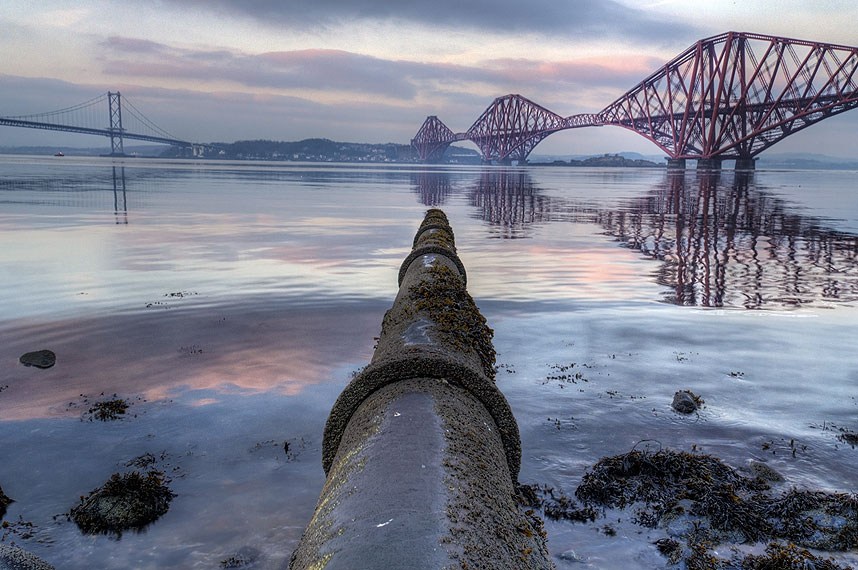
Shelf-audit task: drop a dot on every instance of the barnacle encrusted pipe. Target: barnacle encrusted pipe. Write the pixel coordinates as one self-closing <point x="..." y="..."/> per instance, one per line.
<point x="421" y="450"/>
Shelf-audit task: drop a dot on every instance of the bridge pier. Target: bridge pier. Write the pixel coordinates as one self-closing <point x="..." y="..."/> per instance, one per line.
<point x="708" y="164"/>
<point x="746" y="163"/>
<point x="675" y="163"/>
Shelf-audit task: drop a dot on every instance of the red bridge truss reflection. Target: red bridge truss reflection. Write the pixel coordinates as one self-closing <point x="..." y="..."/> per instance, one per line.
<point x="720" y="239"/>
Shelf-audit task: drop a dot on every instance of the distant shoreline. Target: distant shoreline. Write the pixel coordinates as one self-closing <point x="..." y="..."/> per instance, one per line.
<point x="324" y="150"/>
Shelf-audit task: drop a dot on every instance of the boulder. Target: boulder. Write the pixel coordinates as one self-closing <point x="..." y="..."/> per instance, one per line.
<point x="39" y="359"/>
<point x="126" y="501"/>
<point x="686" y="402"/>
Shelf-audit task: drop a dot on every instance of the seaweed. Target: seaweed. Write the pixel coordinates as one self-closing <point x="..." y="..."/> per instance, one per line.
<point x="126" y="501"/>
<point x="457" y="318"/>
<point x="849" y="438"/>
<point x="786" y="557"/>
<point x="721" y="505"/>
<point x="107" y="410"/>
<point x="555" y="504"/>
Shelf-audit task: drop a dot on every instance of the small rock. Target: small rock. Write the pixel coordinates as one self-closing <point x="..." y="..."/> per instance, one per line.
<point x="686" y="402"/>
<point x="764" y="472"/>
<point x="570" y="556"/>
<point x="39" y="359"/>
<point x="14" y="558"/>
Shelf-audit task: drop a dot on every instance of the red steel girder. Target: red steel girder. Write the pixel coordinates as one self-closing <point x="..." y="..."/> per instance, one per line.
<point x="432" y="139"/>
<point x="736" y="94"/>
<point x="511" y="127"/>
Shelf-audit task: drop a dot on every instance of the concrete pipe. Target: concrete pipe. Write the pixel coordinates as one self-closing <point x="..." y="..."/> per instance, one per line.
<point x="421" y="449"/>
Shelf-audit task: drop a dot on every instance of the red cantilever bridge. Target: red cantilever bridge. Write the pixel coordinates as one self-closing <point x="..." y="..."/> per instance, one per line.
<point x="730" y="96"/>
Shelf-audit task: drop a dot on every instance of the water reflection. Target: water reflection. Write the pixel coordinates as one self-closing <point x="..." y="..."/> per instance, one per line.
<point x="120" y="198"/>
<point x="253" y="345"/>
<point x="510" y="202"/>
<point x="80" y="188"/>
<point x="724" y="242"/>
<point x="432" y="187"/>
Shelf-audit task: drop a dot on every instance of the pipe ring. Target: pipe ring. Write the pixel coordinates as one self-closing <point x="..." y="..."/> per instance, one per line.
<point x="376" y="376"/>
<point x="436" y="249"/>
<point x="445" y="227"/>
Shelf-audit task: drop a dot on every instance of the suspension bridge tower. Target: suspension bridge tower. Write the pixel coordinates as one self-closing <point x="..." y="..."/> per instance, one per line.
<point x="114" y="104"/>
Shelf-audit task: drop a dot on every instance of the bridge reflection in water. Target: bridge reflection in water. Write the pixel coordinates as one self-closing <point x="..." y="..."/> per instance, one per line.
<point x="721" y="241"/>
<point x="95" y="191"/>
<point x="727" y="243"/>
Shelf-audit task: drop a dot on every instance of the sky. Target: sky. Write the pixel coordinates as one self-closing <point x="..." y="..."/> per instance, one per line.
<point x="373" y="70"/>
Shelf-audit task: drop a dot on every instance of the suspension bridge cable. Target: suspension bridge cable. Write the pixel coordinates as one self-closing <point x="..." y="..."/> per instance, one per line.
<point x="136" y="113"/>
<point x="89" y="103"/>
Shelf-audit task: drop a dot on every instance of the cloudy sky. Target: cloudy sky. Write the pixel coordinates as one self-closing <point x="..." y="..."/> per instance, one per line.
<point x="372" y="70"/>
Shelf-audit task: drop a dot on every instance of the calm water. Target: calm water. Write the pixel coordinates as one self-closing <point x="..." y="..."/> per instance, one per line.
<point x="230" y="304"/>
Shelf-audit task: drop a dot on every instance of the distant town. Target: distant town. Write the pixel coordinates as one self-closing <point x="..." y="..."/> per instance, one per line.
<point x="325" y="150"/>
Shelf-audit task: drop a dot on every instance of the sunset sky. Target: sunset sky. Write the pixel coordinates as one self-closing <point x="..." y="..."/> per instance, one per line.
<point x="372" y="70"/>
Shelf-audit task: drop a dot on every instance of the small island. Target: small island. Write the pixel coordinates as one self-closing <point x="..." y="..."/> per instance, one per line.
<point x="602" y="161"/>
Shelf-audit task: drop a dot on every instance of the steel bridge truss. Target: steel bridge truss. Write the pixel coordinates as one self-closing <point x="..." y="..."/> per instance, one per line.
<point x="726" y="97"/>
<point x="737" y="94"/>
<point x="432" y="139"/>
<point x="511" y="127"/>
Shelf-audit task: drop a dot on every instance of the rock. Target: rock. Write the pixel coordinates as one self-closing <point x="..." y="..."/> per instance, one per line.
<point x="762" y="471"/>
<point x="39" y="359"/>
<point x="126" y="501"/>
<point x="570" y="556"/>
<point x="686" y="402"/>
<point x="4" y="502"/>
<point x="14" y="558"/>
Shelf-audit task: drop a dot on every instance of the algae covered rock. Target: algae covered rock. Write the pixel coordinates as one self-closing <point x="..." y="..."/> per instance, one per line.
<point x="686" y="402"/>
<point x="126" y="501"/>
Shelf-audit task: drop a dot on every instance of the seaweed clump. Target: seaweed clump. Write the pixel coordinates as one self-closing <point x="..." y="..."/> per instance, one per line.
<point x="108" y="410"/>
<point x="555" y="504"/>
<point x="707" y="502"/>
<point x="458" y="320"/>
<point x="244" y="558"/>
<point x="126" y="501"/>
<point x="849" y="438"/>
<point x="787" y="557"/>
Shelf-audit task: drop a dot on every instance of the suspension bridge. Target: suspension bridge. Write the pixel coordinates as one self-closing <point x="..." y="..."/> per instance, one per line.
<point x="123" y="120"/>
<point x="728" y="97"/>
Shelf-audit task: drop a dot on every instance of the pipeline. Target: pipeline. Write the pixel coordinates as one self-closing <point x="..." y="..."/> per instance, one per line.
<point x="421" y="450"/>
